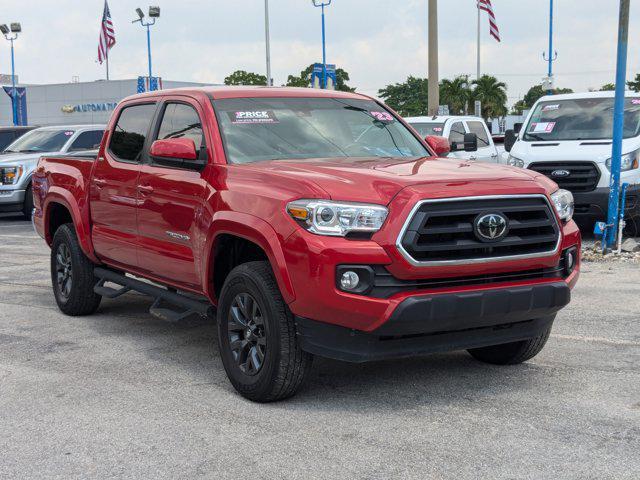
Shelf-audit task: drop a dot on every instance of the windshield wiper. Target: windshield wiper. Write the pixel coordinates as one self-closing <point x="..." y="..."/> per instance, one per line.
<point x="30" y="150"/>
<point x="537" y="137"/>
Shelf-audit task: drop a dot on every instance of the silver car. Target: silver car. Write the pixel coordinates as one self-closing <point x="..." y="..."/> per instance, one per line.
<point x="20" y="159"/>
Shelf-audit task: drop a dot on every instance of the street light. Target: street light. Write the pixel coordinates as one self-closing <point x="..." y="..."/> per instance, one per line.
<point x="11" y="34"/>
<point x="322" y="4"/>
<point x="154" y="13"/>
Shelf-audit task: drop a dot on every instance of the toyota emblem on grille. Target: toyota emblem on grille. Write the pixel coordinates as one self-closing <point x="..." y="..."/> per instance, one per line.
<point x="491" y="227"/>
<point x="560" y="173"/>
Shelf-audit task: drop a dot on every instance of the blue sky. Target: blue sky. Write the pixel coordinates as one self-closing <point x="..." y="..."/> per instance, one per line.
<point x="377" y="41"/>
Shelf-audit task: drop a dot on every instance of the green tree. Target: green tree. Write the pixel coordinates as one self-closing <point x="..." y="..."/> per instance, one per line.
<point x="634" y="84"/>
<point x="304" y="79"/>
<point x="241" y="77"/>
<point x="608" y="87"/>
<point x="409" y="98"/>
<point x="536" y="92"/>
<point x="456" y="93"/>
<point x="492" y="94"/>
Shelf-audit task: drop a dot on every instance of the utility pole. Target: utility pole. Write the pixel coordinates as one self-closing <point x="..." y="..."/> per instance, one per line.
<point x="434" y="88"/>
<point x="322" y="4"/>
<point x="551" y="56"/>
<point x="11" y="34"/>
<point x="478" y="48"/>
<point x="618" y="123"/>
<point x="267" y="42"/>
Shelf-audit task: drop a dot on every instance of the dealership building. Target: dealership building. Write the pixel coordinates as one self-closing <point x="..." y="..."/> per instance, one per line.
<point x="77" y="102"/>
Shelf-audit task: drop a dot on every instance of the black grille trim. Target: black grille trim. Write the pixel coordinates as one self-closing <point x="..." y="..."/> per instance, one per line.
<point x="440" y="231"/>
<point x="385" y="284"/>
<point x="583" y="176"/>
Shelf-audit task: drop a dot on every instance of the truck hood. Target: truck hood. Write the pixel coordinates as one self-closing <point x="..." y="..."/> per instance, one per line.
<point x="380" y="179"/>
<point x="27" y="159"/>
<point x="579" y="150"/>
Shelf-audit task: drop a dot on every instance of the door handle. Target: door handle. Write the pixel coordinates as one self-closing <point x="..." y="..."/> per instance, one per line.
<point x="473" y="158"/>
<point x="99" y="182"/>
<point x="145" y="189"/>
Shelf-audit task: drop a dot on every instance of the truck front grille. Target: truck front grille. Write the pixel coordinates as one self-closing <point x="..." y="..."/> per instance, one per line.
<point x="445" y="231"/>
<point x="572" y="176"/>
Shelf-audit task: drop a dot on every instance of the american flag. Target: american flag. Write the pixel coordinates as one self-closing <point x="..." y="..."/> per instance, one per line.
<point x="107" y="35"/>
<point x="486" y="6"/>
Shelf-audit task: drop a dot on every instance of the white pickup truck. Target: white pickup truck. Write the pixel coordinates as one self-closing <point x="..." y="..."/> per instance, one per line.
<point x="454" y="128"/>
<point x="568" y="139"/>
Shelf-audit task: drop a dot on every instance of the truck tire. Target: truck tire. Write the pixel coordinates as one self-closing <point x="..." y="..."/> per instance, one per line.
<point x="27" y="208"/>
<point x="72" y="274"/>
<point x="512" y="353"/>
<point x="257" y="337"/>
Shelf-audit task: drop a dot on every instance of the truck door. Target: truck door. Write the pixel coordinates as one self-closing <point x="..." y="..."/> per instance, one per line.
<point x="114" y="186"/>
<point x="486" y="149"/>
<point x="171" y="200"/>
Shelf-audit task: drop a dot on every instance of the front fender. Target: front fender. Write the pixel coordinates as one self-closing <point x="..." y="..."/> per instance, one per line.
<point x="257" y="231"/>
<point x="79" y="215"/>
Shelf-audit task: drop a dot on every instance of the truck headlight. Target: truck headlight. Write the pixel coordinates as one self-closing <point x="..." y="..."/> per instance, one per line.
<point x="515" y="161"/>
<point x="10" y="175"/>
<point x="337" y="219"/>
<point x="563" y="202"/>
<point x="629" y="161"/>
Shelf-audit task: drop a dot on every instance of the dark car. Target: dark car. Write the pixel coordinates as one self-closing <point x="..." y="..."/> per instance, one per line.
<point x="9" y="134"/>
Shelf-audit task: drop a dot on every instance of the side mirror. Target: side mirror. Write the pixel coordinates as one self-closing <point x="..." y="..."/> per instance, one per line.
<point x="510" y="138"/>
<point x="439" y="145"/>
<point x="176" y="152"/>
<point x="470" y="142"/>
<point x="517" y="127"/>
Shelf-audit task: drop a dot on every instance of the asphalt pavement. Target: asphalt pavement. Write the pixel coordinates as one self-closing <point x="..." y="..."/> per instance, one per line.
<point x="121" y="394"/>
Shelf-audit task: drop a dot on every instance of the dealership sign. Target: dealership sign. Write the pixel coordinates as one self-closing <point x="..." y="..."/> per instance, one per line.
<point x="90" y="107"/>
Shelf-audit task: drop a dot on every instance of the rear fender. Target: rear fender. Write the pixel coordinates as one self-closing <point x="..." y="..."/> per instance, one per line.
<point x="257" y="231"/>
<point x="80" y="217"/>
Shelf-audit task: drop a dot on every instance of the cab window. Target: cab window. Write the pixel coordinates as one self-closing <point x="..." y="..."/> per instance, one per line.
<point x="457" y="133"/>
<point x="130" y="132"/>
<point x="181" y="121"/>
<point x="481" y="133"/>
<point x="89" y="140"/>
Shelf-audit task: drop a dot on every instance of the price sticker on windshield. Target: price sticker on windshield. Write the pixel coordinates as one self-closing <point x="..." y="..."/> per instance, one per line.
<point x="635" y="101"/>
<point x="253" y="117"/>
<point x="382" y="116"/>
<point x="68" y="133"/>
<point x="549" y="108"/>
<point x="542" y="127"/>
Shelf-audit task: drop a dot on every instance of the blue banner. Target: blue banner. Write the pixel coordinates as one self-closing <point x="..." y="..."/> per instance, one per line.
<point x="20" y="112"/>
<point x="317" y="76"/>
<point x="149" y="85"/>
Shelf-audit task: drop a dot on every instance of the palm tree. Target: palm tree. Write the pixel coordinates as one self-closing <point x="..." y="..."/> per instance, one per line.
<point x="492" y="94"/>
<point x="456" y="93"/>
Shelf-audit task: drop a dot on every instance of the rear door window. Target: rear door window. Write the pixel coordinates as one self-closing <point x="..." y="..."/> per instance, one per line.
<point x="6" y="138"/>
<point x="130" y="133"/>
<point x="89" y="140"/>
<point x="480" y="131"/>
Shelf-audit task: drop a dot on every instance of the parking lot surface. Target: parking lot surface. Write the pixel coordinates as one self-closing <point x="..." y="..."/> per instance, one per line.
<point x="121" y="394"/>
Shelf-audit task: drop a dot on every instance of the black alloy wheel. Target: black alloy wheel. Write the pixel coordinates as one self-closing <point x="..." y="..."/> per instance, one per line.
<point x="64" y="271"/>
<point x="246" y="333"/>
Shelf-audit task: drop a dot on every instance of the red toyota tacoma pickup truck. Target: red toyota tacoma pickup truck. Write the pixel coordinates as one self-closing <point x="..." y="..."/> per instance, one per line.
<point x="310" y="223"/>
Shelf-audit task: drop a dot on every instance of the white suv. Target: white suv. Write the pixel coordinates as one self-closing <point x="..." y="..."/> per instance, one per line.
<point x="568" y="139"/>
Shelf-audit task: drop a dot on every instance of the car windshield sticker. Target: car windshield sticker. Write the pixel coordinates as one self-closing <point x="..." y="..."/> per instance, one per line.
<point x="437" y="129"/>
<point x="635" y="101"/>
<point x="68" y="133"/>
<point x="252" y="117"/>
<point x="542" y="127"/>
<point x="548" y="108"/>
<point x="382" y="116"/>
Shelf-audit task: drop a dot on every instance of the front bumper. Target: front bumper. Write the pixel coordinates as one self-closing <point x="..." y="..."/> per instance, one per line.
<point x="593" y="206"/>
<point x="436" y="323"/>
<point x="11" y="200"/>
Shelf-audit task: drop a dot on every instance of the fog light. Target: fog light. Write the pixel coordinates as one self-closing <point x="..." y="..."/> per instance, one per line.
<point x="570" y="260"/>
<point x="349" y="280"/>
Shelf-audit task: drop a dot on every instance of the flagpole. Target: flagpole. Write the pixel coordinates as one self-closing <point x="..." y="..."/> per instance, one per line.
<point x="107" y="59"/>
<point x="478" y="52"/>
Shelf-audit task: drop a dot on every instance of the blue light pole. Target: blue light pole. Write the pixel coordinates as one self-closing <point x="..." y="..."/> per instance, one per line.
<point x="11" y="34"/>
<point x="322" y="4"/>
<point x="552" y="56"/>
<point x="618" y="123"/>
<point x="154" y="13"/>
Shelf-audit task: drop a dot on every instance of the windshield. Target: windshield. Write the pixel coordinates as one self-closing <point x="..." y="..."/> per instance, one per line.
<point x="255" y="129"/>
<point x="40" y="141"/>
<point x="430" y="128"/>
<point x="581" y="119"/>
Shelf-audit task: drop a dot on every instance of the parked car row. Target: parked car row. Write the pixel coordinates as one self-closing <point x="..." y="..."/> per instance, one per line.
<point x="19" y="158"/>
